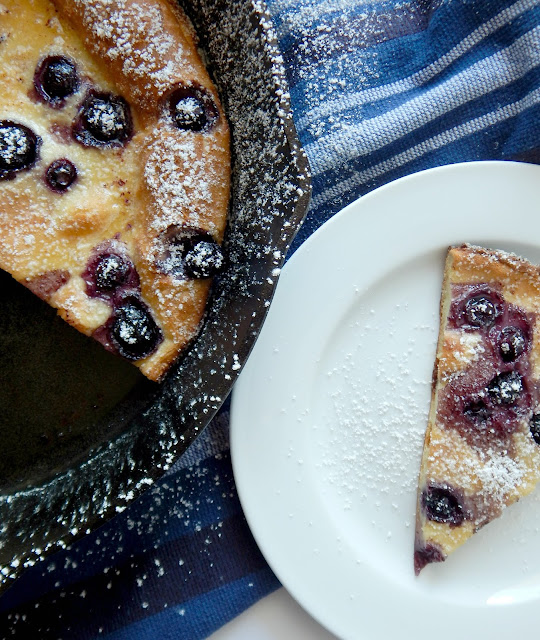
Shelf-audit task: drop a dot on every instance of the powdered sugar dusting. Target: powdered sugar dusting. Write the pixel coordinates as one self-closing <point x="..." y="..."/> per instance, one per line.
<point x="500" y="475"/>
<point x="375" y="433"/>
<point x="374" y="409"/>
<point x="471" y="348"/>
<point x="135" y="35"/>
<point x="178" y="179"/>
<point x="490" y="474"/>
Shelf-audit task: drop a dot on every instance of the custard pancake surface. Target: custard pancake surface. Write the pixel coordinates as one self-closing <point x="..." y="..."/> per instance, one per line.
<point x="114" y="170"/>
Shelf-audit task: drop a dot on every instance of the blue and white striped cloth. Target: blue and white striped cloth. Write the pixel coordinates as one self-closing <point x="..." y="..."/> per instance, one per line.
<point x="380" y="89"/>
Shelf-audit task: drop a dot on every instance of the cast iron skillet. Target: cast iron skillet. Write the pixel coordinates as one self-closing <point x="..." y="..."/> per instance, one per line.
<point x="83" y="433"/>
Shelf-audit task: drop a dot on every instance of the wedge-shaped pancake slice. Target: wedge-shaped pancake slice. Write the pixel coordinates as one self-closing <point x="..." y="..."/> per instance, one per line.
<point x="114" y="170"/>
<point x="482" y="445"/>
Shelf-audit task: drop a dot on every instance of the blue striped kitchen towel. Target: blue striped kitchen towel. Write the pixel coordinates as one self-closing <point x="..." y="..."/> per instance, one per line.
<point x="380" y="89"/>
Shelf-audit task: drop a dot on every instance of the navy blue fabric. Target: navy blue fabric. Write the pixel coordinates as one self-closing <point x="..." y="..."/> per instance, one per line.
<point x="380" y="89"/>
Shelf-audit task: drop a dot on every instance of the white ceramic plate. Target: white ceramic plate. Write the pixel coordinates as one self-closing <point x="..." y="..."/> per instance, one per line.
<point x="328" y="416"/>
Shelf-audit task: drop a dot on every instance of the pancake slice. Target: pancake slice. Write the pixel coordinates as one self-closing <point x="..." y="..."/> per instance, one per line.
<point x="482" y="445"/>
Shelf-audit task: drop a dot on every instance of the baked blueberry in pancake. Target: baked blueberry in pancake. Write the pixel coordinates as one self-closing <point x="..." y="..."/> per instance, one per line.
<point x="114" y="170"/>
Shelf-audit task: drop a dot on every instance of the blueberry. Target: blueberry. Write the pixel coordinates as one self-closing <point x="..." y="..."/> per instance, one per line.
<point x="534" y="426"/>
<point x="55" y="79"/>
<point x="204" y="259"/>
<point x="133" y="330"/>
<point x="481" y="311"/>
<point x="442" y="505"/>
<point x="60" y="175"/>
<point x="19" y="148"/>
<point x="505" y="388"/>
<point x="192" y="109"/>
<point x="477" y="412"/>
<point x="190" y="252"/>
<point x="512" y="344"/>
<point x="111" y="271"/>
<point x="104" y="120"/>
<point x="189" y="113"/>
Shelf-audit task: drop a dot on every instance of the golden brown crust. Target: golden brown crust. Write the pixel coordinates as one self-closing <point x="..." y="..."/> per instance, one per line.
<point x="163" y="177"/>
<point x="148" y="45"/>
<point x="519" y="279"/>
